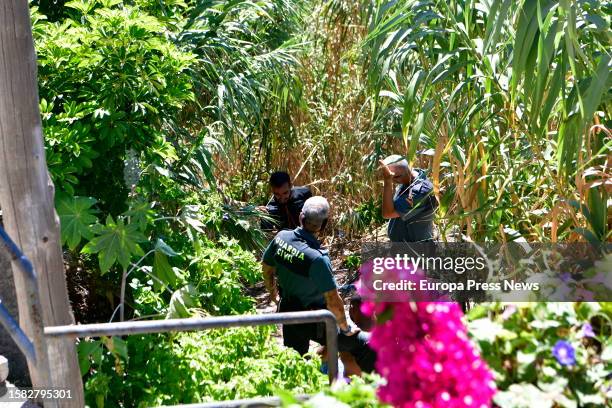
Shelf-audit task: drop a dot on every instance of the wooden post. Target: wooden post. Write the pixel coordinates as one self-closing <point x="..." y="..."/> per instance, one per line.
<point x="27" y="196"/>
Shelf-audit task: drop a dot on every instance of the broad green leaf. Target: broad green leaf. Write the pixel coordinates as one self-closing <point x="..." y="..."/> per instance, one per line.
<point x="594" y="93"/>
<point x="589" y="236"/>
<point x="527" y="26"/>
<point x="598" y="210"/>
<point x="410" y="99"/>
<point x="181" y="301"/>
<point x="552" y="95"/>
<point x="111" y="3"/>
<point x="567" y="141"/>
<point x="530" y="64"/>
<point x="140" y="213"/>
<point x="546" y="51"/>
<point x="195" y="224"/>
<point x="87" y="350"/>
<point x="416" y="134"/>
<point x="120" y="347"/>
<point x="162" y="170"/>
<point x="161" y="246"/>
<point x="162" y="270"/>
<point x="477" y="312"/>
<point x="495" y="22"/>
<point x="116" y="242"/>
<point x="76" y="219"/>
<point x="81" y="5"/>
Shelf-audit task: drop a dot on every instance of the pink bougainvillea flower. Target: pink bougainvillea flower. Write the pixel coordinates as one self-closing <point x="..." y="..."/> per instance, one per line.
<point x="427" y="359"/>
<point x="422" y="346"/>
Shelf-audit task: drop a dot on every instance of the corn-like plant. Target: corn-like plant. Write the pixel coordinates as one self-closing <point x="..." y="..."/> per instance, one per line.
<point x="513" y="99"/>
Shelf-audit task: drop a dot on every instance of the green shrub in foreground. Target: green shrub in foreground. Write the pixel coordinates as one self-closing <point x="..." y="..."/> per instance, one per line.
<point x="547" y="354"/>
<point x="360" y="393"/>
<point x="195" y="367"/>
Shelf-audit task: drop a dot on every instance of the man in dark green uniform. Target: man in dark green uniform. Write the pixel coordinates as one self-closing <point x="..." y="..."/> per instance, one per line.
<point x="295" y="260"/>
<point x="411" y="208"/>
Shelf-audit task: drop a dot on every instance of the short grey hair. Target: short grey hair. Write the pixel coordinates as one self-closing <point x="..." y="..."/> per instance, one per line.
<point x="315" y="211"/>
<point x="396" y="160"/>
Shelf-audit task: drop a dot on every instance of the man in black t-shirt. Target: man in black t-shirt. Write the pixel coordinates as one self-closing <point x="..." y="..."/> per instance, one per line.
<point x="286" y="203"/>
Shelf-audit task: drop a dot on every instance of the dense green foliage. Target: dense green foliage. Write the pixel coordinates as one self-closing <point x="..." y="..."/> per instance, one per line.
<point x="505" y="94"/>
<point x="220" y="365"/>
<point x="159" y="115"/>
<point x="136" y="99"/>
<point x="133" y="98"/>
<point x="359" y="393"/>
<point x="120" y="88"/>
<point x="518" y="343"/>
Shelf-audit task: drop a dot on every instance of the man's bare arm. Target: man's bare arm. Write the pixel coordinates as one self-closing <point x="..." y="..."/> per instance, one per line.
<point x="336" y="306"/>
<point x="388" y="209"/>
<point x="269" y="275"/>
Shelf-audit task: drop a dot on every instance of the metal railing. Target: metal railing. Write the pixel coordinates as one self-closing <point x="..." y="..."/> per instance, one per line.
<point x="36" y="352"/>
<point x="217" y="322"/>
<point x="240" y="403"/>
<point x="35" y="349"/>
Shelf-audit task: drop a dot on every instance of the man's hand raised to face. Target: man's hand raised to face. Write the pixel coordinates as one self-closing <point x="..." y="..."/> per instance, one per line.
<point x="385" y="171"/>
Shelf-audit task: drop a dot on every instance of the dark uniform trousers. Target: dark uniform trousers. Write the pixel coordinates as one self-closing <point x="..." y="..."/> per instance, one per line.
<point x="298" y="336"/>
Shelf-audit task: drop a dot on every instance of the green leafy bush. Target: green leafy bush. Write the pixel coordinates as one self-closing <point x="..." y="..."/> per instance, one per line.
<point x="519" y="343"/>
<point x="193" y="367"/>
<point x="220" y="274"/>
<point x="359" y="393"/>
<point x="110" y="81"/>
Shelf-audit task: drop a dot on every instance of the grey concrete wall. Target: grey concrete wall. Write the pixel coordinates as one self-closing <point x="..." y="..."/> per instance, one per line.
<point x="18" y="369"/>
